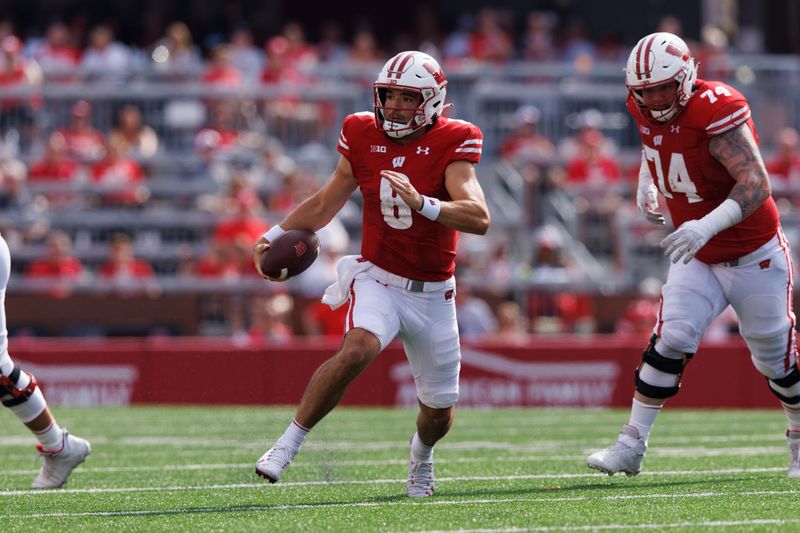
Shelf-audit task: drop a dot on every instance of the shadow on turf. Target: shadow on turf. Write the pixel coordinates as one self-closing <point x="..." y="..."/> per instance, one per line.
<point x="583" y="488"/>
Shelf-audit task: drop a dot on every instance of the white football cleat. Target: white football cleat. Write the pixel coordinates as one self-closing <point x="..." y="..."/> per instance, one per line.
<point x="272" y="464"/>
<point x="793" y="440"/>
<point x="420" y="482"/>
<point x="620" y="457"/>
<point x="59" y="465"/>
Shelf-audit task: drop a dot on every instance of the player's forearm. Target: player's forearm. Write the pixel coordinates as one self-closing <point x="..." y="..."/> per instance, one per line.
<point x="468" y="216"/>
<point x="750" y="192"/>
<point x="738" y="152"/>
<point x="311" y="214"/>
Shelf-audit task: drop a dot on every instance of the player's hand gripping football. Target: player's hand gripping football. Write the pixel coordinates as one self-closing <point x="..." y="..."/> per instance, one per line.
<point x="686" y="241"/>
<point x="403" y="188"/>
<point x="259" y="248"/>
<point x="647" y="202"/>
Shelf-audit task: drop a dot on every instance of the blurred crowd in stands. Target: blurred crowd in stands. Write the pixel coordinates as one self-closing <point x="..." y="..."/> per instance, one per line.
<point x="238" y="177"/>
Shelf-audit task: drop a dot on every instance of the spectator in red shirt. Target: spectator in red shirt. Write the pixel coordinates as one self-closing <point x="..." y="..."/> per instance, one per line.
<point x="121" y="264"/>
<point x="58" y="265"/>
<point x="55" y="164"/>
<point x="217" y="263"/>
<point x="221" y="131"/>
<point x="784" y="165"/>
<point x="490" y="41"/>
<point x="533" y="154"/>
<point x="57" y="55"/>
<point x="221" y="71"/>
<point x="18" y="72"/>
<point x="58" y="261"/>
<point x="526" y="144"/>
<point x="85" y="143"/>
<point x="122" y="176"/>
<point x="591" y="166"/>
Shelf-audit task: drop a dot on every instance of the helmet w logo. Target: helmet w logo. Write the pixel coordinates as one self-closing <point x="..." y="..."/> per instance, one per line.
<point x="437" y="74"/>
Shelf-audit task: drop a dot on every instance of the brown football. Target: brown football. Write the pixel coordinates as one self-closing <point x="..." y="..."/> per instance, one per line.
<point x="290" y="254"/>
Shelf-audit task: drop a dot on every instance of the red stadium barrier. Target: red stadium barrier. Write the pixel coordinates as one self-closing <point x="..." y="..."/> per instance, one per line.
<point x="591" y="371"/>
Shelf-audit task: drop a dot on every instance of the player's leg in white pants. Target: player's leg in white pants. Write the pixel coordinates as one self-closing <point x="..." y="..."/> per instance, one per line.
<point x="761" y="294"/>
<point x="19" y="392"/>
<point x="691" y="298"/>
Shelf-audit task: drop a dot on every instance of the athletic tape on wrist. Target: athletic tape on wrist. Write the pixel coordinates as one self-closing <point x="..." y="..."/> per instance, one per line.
<point x="273" y="233"/>
<point x="430" y="207"/>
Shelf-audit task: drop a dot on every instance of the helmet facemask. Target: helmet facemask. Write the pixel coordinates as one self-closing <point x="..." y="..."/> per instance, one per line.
<point x="398" y="130"/>
<point x="661" y="115"/>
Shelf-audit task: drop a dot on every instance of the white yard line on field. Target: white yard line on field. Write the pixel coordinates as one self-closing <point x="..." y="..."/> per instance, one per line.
<point x="598" y="527"/>
<point x="110" y="490"/>
<point x="410" y="503"/>
<point x="314" y="461"/>
<point x="535" y="445"/>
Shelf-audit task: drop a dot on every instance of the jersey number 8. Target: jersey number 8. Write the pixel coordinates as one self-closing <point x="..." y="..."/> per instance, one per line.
<point x="396" y="212"/>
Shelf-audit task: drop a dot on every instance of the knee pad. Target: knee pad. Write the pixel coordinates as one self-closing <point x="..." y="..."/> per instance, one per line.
<point x="658" y="376"/>
<point x="787" y="388"/>
<point x="680" y="335"/>
<point x="19" y="392"/>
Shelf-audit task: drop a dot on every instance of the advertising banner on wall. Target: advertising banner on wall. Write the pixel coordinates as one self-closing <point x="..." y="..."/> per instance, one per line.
<point x="575" y="372"/>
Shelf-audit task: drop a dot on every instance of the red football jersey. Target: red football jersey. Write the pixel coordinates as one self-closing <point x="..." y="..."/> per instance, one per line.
<point x="394" y="236"/>
<point x="691" y="180"/>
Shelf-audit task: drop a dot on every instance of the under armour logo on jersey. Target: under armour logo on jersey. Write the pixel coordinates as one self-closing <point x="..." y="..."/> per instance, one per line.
<point x="398" y="161"/>
<point x="657" y="140"/>
<point x="674" y="129"/>
<point x="423" y="150"/>
<point x="764" y="264"/>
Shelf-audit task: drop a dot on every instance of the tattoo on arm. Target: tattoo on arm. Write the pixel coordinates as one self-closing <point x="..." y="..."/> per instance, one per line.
<point x="739" y="154"/>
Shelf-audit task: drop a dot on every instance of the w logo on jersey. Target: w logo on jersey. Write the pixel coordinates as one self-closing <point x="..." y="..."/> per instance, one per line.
<point x="398" y="161"/>
<point x="657" y="140"/>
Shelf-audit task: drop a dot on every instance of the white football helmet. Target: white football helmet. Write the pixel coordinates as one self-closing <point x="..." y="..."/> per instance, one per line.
<point x="416" y="72"/>
<point x="657" y="59"/>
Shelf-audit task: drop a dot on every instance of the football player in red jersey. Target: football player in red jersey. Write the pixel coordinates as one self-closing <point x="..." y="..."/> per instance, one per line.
<point x="415" y="171"/>
<point x="700" y="152"/>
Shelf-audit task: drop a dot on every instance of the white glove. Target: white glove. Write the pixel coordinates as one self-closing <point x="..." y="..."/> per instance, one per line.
<point x="647" y="195"/>
<point x="692" y="235"/>
<point x="647" y="202"/>
<point x="686" y="241"/>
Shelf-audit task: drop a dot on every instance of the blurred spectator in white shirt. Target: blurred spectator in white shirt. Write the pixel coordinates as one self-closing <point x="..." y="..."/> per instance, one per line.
<point x="245" y="55"/>
<point x="131" y="137"/>
<point x="105" y="60"/>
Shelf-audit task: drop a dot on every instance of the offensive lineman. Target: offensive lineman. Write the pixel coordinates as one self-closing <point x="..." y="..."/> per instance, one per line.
<point x="415" y="171"/>
<point x="700" y="151"/>
<point x="60" y="451"/>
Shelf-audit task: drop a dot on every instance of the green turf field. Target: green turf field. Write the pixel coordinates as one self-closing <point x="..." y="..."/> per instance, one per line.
<point x="191" y="469"/>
